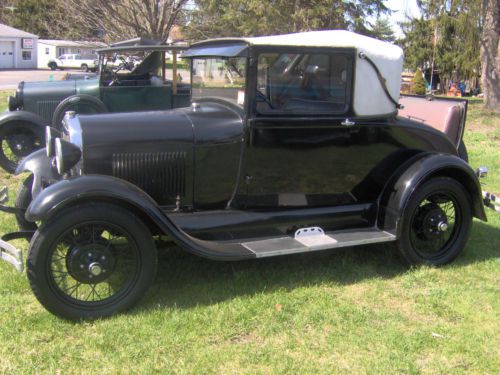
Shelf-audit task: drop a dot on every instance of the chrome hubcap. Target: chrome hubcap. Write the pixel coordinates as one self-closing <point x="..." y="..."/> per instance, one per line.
<point x="442" y="226"/>
<point x="95" y="269"/>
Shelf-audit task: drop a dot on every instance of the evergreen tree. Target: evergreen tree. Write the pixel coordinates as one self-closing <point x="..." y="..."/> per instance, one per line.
<point x="419" y="83"/>
<point x="214" y="18"/>
<point x="382" y="30"/>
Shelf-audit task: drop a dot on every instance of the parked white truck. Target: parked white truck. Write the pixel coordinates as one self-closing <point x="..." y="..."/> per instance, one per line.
<point x="74" y="61"/>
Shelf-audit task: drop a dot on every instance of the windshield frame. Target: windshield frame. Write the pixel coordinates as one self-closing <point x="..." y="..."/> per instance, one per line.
<point x="245" y="74"/>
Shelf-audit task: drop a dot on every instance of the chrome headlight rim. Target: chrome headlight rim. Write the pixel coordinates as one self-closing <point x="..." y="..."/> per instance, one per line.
<point x="59" y="156"/>
<point x="50" y="135"/>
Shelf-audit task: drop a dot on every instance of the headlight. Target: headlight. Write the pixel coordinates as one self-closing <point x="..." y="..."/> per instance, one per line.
<point x="67" y="155"/>
<point x="13" y="103"/>
<point x="50" y="136"/>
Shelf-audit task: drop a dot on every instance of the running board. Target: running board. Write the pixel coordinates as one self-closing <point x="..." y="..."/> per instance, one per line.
<point x="317" y="241"/>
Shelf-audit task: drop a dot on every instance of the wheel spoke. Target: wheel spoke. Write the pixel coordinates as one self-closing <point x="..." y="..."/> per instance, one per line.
<point x="93" y="262"/>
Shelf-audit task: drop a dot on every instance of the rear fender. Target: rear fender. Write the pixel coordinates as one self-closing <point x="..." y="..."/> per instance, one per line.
<point x="99" y="188"/>
<point x="413" y="173"/>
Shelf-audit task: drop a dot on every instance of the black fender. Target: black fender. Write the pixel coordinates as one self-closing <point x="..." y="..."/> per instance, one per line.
<point x="100" y="188"/>
<point x="415" y="171"/>
<point x="62" y="107"/>
<point x="42" y="168"/>
<point x="24" y="116"/>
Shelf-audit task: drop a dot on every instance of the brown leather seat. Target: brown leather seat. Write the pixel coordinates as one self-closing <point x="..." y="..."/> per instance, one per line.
<point x="443" y="115"/>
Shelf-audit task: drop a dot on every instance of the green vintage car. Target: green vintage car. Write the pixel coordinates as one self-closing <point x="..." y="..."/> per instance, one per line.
<point x="138" y="83"/>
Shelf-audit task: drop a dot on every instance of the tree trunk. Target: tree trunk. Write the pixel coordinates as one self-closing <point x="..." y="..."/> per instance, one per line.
<point x="490" y="54"/>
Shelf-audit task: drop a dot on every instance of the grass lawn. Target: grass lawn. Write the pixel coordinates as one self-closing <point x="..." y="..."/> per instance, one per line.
<point x="359" y="310"/>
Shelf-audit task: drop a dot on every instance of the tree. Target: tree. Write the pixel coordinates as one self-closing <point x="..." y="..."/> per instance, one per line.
<point x="490" y="54"/>
<point x="448" y="33"/>
<point x="214" y="18"/>
<point x="122" y="19"/>
<point x="382" y="30"/>
<point x="46" y="18"/>
<point x="419" y="83"/>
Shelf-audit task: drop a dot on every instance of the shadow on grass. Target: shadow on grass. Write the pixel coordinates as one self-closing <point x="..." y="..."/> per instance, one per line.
<point x="185" y="280"/>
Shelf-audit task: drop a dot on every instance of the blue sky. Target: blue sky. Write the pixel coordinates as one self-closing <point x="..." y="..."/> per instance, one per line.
<point x="400" y="9"/>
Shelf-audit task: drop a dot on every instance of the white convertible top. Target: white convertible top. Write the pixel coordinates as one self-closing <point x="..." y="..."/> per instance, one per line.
<point x="369" y="98"/>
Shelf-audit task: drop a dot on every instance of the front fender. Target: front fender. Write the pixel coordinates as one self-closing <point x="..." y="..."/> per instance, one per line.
<point x="25" y="116"/>
<point x="99" y="188"/>
<point x="41" y="166"/>
<point x="417" y="170"/>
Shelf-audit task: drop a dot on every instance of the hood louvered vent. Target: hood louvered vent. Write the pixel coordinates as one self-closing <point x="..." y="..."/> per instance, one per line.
<point x="46" y="109"/>
<point x="161" y="174"/>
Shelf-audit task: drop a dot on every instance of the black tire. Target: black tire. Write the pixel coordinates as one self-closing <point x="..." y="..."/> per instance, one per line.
<point x="18" y="139"/>
<point x="66" y="247"/>
<point x="85" y="68"/>
<point x="23" y="200"/>
<point x="52" y="66"/>
<point x="423" y="240"/>
<point x="80" y="104"/>
<point x="462" y="152"/>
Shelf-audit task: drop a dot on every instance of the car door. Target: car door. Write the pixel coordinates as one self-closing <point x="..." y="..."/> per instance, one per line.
<point x="302" y="151"/>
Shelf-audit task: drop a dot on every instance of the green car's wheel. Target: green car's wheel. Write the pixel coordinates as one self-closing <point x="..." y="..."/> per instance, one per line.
<point x="91" y="261"/>
<point x="436" y="222"/>
<point x="18" y="139"/>
<point x="84" y="104"/>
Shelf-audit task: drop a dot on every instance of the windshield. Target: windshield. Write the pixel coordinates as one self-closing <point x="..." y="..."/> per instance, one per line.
<point x="219" y="77"/>
<point x="139" y="68"/>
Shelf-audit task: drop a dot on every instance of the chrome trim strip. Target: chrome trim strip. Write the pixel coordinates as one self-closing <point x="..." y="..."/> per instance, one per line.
<point x="11" y="255"/>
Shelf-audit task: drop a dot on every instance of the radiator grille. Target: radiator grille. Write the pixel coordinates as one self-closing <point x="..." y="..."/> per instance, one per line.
<point x="46" y="109"/>
<point x="161" y="174"/>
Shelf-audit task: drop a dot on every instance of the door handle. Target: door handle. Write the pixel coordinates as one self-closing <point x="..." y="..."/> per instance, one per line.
<point x="347" y="122"/>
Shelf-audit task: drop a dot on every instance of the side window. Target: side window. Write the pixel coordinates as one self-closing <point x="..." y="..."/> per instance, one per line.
<point x="303" y="83"/>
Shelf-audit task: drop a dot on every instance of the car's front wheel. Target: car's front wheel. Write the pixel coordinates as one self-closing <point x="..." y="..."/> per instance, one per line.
<point x="91" y="261"/>
<point x="85" y="68"/>
<point x="436" y="222"/>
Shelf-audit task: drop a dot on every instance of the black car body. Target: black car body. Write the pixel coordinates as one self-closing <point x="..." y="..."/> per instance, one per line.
<point x="278" y="154"/>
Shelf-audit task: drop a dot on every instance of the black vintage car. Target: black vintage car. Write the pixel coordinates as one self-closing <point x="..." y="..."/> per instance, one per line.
<point x="293" y="144"/>
<point x="120" y="86"/>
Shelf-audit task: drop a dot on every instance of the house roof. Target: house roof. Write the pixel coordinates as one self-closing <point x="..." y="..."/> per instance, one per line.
<point x="11" y="32"/>
<point x="71" y="43"/>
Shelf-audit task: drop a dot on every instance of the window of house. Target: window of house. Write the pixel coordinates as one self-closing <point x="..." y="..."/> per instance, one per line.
<point x="303" y="83"/>
<point x="27" y="55"/>
<point x="47" y="51"/>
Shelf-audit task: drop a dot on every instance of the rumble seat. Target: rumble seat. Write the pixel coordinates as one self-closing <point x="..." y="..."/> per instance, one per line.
<point x="443" y="115"/>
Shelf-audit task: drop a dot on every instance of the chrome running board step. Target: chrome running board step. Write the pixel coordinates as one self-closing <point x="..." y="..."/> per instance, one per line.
<point x="320" y="241"/>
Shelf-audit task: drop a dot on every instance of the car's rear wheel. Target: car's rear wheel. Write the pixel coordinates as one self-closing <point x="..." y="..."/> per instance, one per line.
<point x="52" y="66"/>
<point x="91" y="261"/>
<point x="23" y="200"/>
<point x="436" y="222"/>
<point x="18" y="139"/>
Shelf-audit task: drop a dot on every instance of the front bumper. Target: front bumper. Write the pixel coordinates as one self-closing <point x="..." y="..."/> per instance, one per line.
<point x="8" y="252"/>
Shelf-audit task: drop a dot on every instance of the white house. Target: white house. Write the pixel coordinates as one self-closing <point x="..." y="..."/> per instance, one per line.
<point x="50" y="49"/>
<point x="18" y="49"/>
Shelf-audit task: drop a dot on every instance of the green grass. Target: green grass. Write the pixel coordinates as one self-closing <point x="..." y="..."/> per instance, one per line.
<point x="359" y="310"/>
